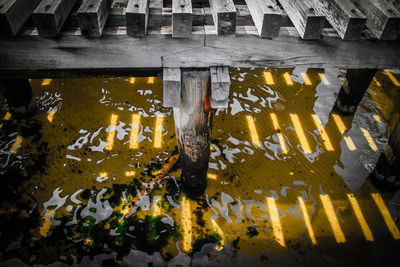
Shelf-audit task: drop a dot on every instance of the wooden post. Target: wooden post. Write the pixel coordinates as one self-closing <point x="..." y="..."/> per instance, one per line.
<point x="386" y="174"/>
<point x="354" y="86"/>
<point x="19" y="97"/>
<point x="172" y="87"/>
<point x="137" y="14"/>
<point x="181" y="18"/>
<point x="92" y="16"/>
<point x="50" y="16"/>
<point x="267" y="17"/>
<point x="220" y="84"/>
<point x="224" y="15"/>
<point x="193" y="122"/>
<point x="14" y="13"/>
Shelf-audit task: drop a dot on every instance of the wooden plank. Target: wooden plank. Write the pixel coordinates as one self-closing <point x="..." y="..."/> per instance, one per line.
<point x="267" y="17"/>
<point x="347" y="20"/>
<point x="220" y="84"/>
<point x="224" y="15"/>
<point x="171" y="87"/>
<point x="383" y="19"/>
<point x="302" y="14"/>
<point x="137" y="14"/>
<point x="181" y="18"/>
<point x="50" y="16"/>
<point x="92" y="16"/>
<point x="14" y="13"/>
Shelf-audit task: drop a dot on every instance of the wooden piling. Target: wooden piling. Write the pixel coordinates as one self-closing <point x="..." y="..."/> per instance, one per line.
<point x="181" y="18"/>
<point x="193" y="123"/>
<point x="137" y="15"/>
<point x="224" y="15"/>
<point x="267" y="17"/>
<point x="354" y="86"/>
<point x="92" y="16"/>
<point x="19" y="97"/>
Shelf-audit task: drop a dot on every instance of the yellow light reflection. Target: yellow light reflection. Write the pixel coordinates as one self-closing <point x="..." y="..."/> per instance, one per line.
<point x="268" y="78"/>
<point x="276" y="223"/>
<point x="377" y="118"/>
<point x="158" y="132"/>
<point x="134" y="138"/>
<point x="221" y="233"/>
<point x="289" y="81"/>
<point x="386" y="215"/>
<point x="360" y="217"/>
<point x="50" y="116"/>
<point x="150" y="80"/>
<point x="132" y="80"/>
<point x="392" y="78"/>
<point x="16" y="145"/>
<point x="130" y="173"/>
<point x="343" y="130"/>
<point x="46" y="82"/>
<point x="212" y="176"/>
<point x="323" y="78"/>
<point x="369" y="139"/>
<point x="300" y="133"/>
<point x="332" y="218"/>
<point x="186" y="225"/>
<point x="307" y="221"/>
<point x="280" y="136"/>
<point x="111" y="133"/>
<point x="307" y="80"/>
<point x="156" y="208"/>
<point x="6" y="117"/>
<point x="253" y="131"/>
<point x="377" y="82"/>
<point x="324" y="135"/>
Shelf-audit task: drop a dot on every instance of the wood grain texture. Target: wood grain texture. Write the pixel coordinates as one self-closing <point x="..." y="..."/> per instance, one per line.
<point x="347" y="20"/>
<point x="50" y="16"/>
<point x="137" y="14"/>
<point x="383" y="19"/>
<point x="181" y="18"/>
<point x="14" y="13"/>
<point x="266" y="15"/>
<point x="172" y="87"/>
<point x="224" y="16"/>
<point x="92" y="16"/>
<point x="26" y="53"/>
<point x="220" y="84"/>
<point x="302" y="14"/>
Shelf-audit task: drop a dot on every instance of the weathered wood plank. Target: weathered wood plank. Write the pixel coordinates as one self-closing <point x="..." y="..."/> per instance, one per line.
<point x="14" y="13"/>
<point x="172" y="87"/>
<point x="347" y="20"/>
<point x="24" y="54"/>
<point x="220" y="84"/>
<point x="383" y="19"/>
<point x="50" y="16"/>
<point x="224" y="15"/>
<point x="302" y="14"/>
<point x="266" y="15"/>
<point x="137" y="14"/>
<point x="92" y="16"/>
<point x="181" y="18"/>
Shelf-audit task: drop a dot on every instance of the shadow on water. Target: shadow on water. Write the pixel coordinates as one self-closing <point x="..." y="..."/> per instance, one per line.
<point x="95" y="176"/>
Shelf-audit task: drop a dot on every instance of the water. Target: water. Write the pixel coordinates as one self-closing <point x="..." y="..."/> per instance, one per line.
<point x="93" y="177"/>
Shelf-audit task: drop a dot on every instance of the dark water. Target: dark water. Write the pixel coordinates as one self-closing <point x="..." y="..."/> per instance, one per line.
<point x="94" y="177"/>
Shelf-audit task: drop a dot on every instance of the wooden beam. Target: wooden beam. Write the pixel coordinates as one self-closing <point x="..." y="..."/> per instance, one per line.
<point x="137" y="14"/>
<point x="224" y="15"/>
<point x="92" y="16"/>
<point x="171" y="87"/>
<point x="302" y="14"/>
<point x="181" y="18"/>
<point x="220" y="84"/>
<point x="383" y="19"/>
<point x="50" y="16"/>
<point x="347" y="20"/>
<point x="267" y="17"/>
<point x="14" y="13"/>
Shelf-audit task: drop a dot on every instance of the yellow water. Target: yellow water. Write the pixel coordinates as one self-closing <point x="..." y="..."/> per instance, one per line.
<point x="287" y="177"/>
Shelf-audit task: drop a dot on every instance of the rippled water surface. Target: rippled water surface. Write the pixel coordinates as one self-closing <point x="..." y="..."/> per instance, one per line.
<point x="94" y="176"/>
